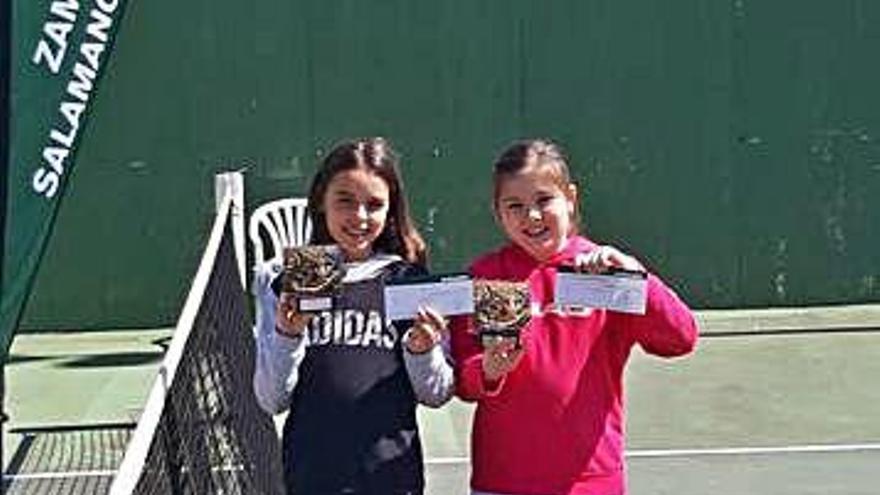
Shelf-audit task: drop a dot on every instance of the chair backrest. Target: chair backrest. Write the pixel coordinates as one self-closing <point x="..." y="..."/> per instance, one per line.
<point x="278" y="224"/>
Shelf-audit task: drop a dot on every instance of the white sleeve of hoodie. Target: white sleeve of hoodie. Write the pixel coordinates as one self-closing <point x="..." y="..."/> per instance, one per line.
<point x="430" y="374"/>
<point x="278" y="357"/>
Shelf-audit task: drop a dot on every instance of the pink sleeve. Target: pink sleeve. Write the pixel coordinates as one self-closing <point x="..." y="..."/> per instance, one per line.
<point x="668" y="327"/>
<point x="468" y="357"/>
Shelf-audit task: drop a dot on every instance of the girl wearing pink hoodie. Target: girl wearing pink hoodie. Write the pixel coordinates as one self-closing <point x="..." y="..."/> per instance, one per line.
<point x="550" y="413"/>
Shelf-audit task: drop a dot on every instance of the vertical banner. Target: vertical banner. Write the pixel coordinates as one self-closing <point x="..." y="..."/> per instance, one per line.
<point x="59" y="49"/>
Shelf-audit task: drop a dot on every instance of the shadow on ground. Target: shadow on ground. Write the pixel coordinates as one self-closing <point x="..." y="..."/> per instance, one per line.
<point x="113" y="360"/>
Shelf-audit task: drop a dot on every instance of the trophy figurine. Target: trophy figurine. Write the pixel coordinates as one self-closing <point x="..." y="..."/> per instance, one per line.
<point x="501" y="310"/>
<point x="314" y="275"/>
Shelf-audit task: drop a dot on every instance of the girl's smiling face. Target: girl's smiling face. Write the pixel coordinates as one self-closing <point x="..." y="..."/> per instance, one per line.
<point x="536" y="211"/>
<point x="356" y="210"/>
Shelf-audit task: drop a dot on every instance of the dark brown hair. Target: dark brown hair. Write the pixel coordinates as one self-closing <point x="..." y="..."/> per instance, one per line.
<point x="534" y="153"/>
<point x="376" y="155"/>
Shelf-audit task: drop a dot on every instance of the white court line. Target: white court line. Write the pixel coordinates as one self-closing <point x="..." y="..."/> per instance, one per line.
<point x="61" y="475"/>
<point x="438" y="461"/>
<point x="793" y="449"/>
<point x="96" y="473"/>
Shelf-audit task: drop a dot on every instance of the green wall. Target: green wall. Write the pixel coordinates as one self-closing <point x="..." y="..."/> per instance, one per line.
<point x="732" y="145"/>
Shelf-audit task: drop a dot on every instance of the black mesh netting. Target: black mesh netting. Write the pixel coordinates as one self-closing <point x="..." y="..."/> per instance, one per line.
<point x="212" y="437"/>
<point x="62" y="460"/>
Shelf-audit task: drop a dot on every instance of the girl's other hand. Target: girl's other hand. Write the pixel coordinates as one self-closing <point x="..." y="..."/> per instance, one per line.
<point x="428" y="329"/>
<point x="500" y="359"/>
<point x="288" y="321"/>
<point x="604" y="258"/>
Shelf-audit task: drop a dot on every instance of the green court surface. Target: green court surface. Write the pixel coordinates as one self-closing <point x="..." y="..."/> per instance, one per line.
<point x="773" y="402"/>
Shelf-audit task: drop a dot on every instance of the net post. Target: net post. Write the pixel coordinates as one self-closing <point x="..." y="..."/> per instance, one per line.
<point x="3" y="419"/>
<point x="5" y="135"/>
<point x="232" y="184"/>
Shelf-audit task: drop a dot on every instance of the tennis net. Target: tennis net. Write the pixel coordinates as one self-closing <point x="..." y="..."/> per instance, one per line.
<point x="201" y="431"/>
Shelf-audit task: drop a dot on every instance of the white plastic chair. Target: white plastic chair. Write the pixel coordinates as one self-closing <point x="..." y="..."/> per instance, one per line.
<point x="278" y="224"/>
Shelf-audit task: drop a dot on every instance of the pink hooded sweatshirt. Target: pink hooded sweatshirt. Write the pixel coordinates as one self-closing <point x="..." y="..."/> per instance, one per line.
<point x="554" y="424"/>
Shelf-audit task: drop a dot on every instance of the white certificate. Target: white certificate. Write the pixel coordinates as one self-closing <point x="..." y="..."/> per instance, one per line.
<point x="626" y="292"/>
<point x="451" y="295"/>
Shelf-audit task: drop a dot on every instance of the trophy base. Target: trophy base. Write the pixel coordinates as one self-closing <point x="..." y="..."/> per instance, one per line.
<point x="494" y="338"/>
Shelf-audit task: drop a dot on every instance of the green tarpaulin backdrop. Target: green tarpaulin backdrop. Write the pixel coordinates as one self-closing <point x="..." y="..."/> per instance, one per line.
<point x="733" y="145"/>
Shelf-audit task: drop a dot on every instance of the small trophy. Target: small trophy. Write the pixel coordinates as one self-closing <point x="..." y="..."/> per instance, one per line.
<point x="501" y="310"/>
<point x="314" y="275"/>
